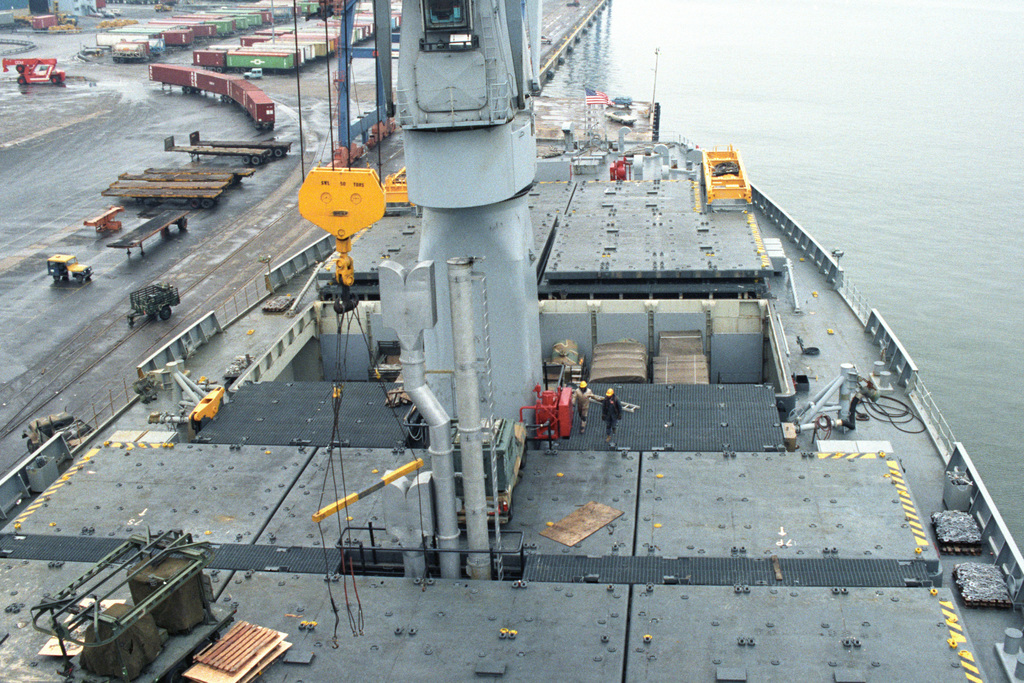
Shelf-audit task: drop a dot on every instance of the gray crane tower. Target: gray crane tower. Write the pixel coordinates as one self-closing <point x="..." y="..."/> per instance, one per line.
<point x="466" y="74"/>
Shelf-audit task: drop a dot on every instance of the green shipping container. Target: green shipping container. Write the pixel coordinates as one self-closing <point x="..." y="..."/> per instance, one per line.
<point x="243" y="22"/>
<point x="223" y="27"/>
<point x="242" y="60"/>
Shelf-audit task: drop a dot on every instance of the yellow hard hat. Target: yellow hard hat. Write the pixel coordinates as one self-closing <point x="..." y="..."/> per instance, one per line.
<point x="609" y="392"/>
<point x="583" y="385"/>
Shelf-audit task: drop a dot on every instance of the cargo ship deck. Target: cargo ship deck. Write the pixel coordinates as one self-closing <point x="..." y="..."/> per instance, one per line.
<point x="722" y="552"/>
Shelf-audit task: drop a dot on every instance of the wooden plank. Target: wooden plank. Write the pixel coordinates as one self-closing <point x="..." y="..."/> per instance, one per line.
<point x="254" y="642"/>
<point x="578" y="525"/>
<point x="281" y="648"/>
<point x="237" y="646"/>
<point x="203" y="673"/>
<point x="231" y="642"/>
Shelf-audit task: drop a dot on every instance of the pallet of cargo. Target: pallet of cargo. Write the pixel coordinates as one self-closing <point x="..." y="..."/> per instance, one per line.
<point x="250" y="156"/>
<point x="161" y="223"/>
<point x="279" y="149"/>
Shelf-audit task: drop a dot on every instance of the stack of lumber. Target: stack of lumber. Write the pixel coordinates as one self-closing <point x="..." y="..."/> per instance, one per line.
<point x="681" y="359"/>
<point x="240" y="656"/>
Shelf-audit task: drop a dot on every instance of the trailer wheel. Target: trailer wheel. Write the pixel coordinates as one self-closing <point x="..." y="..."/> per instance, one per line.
<point x="165" y="313"/>
<point x="247" y="160"/>
<point x="195" y="202"/>
<point x="278" y="152"/>
<point x="256" y="160"/>
<point x="207" y="203"/>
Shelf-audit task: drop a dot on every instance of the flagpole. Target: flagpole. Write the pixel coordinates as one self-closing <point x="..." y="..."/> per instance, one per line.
<point x="654" y="89"/>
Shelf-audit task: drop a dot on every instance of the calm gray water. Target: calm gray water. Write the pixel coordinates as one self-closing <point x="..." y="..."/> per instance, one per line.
<point x="891" y="130"/>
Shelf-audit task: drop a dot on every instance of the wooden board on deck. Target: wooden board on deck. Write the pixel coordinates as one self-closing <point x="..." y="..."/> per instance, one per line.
<point x="235" y="650"/>
<point x="581" y="523"/>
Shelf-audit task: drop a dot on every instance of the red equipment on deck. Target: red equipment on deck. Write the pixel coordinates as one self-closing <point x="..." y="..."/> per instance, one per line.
<point x="621" y="169"/>
<point x="552" y="413"/>
<point x="35" y="70"/>
<point x="105" y="221"/>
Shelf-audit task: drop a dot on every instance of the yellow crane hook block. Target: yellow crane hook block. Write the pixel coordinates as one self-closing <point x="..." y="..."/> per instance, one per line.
<point x="342" y="201"/>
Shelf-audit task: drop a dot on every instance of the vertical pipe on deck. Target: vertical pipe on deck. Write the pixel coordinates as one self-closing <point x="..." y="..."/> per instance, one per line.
<point x="467" y="393"/>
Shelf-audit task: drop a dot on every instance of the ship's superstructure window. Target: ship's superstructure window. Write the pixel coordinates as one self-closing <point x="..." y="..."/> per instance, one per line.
<point x="445" y="14"/>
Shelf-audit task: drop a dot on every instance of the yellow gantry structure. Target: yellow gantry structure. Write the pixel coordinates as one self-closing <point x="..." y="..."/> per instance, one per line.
<point x="730" y="185"/>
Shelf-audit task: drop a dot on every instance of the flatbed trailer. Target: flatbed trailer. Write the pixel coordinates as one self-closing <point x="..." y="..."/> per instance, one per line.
<point x="197" y="198"/>
<point x="203" y="170"/>
<point x="161" y="223"/>
<point x="170" y="184"/>
<point x="251" y="156"/>
<point x="279" y="149"/>
<point x="229" y="178"/>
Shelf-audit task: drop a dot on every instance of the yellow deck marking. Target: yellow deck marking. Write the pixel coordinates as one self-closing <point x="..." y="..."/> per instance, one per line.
<point x="956" y="638"/>
<point x="909" y="511"/>
<point x="847" y="456"/>
<point x="45" y="495"/>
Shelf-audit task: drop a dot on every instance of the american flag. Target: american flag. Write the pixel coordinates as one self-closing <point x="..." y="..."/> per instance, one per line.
<point x="596" y="97"/>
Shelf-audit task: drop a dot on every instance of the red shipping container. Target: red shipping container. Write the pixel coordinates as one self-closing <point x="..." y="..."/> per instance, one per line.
<point x="43" y="22"/>
<point x="178" y="37"/>
<point x="170" y="74"/>
<point x="211" y="82"/>
<point x="209" y="58"/>
<point x="100" y="4"/>
<point x="252" y="40"/>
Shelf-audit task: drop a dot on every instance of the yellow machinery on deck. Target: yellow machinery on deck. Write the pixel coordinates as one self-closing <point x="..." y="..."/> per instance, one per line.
<point x="725" y="178"/>
<point x="342" y="201"/>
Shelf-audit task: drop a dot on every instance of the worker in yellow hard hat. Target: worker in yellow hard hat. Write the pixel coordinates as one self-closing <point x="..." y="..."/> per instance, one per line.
<point x="581" y="399"/>
<point x="611" y="413"/>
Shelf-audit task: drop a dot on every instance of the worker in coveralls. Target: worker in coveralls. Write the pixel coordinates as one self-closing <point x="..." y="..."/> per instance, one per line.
<point x="581" y="399"/>
<point x="611" y="413"/>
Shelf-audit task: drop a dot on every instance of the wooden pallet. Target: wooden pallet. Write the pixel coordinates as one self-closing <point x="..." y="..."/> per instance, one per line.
<point x="956" y="547"/>
<point x="1001" y="603"/>
<point x="239" y="656"/>
<point x="960" y="548"/>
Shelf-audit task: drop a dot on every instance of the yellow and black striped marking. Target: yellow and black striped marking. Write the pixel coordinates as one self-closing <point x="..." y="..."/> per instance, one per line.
<point x="957" y="639"/>
<point x="913" y="519"/>
<point x="129" y="445"/>
<point x="696" y="196"/>
<point x="756" y="232"/>
<point x="45" y="495"/>
<point x="839" y="455"/>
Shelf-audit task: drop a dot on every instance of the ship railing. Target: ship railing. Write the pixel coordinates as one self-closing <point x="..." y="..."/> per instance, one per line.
<point x="891" y="349"/>
<point x="109" y="404"/>
<point x="815" y="253"/>
<point x="18" y="484"/>
<point x="934" y="420"/>
<point x="974" y="498"/>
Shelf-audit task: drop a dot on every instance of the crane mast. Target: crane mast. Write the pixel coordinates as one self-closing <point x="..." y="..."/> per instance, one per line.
<point x="467" y="72"/>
